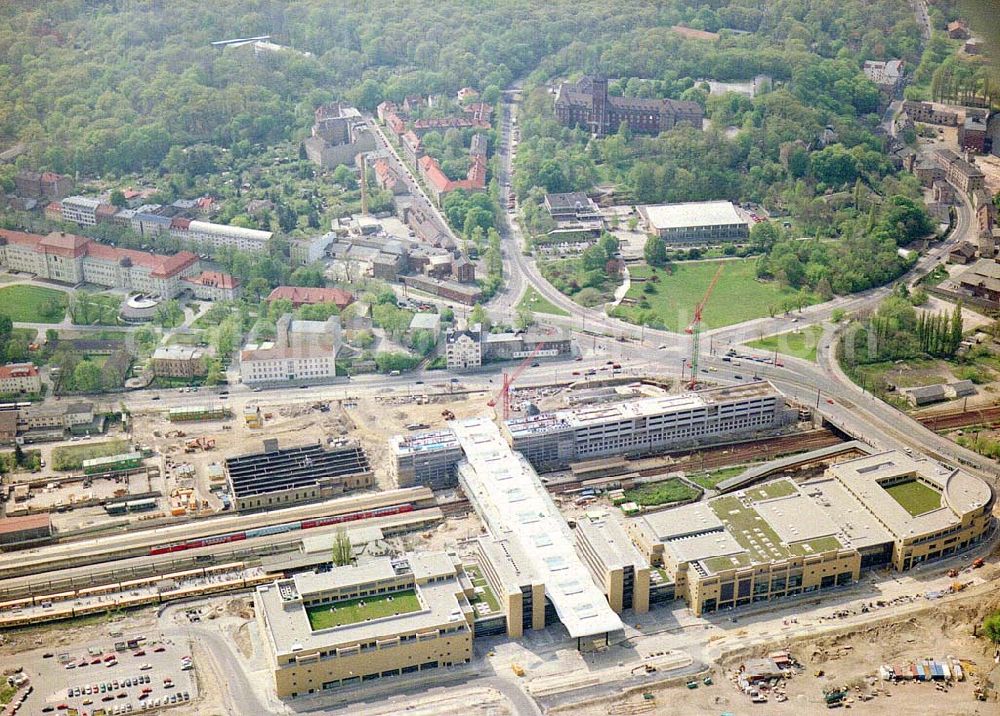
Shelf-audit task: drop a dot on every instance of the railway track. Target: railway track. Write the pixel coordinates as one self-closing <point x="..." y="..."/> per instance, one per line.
<point x="947" y="421"/>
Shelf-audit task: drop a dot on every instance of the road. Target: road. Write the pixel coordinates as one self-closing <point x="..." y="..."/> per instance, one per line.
<point x="420" y="198"/>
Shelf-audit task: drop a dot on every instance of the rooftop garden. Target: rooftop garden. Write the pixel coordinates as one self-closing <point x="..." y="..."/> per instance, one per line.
<point x="915" y="497"/>
<point x="354" y="611"/>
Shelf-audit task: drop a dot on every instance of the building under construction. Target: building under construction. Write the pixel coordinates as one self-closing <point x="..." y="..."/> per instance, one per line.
<point x="282" y="477"/>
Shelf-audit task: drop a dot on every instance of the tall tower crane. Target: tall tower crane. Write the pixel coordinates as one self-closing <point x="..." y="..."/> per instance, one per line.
<point x="695" y="329"/>
<point x="508" y="380"/>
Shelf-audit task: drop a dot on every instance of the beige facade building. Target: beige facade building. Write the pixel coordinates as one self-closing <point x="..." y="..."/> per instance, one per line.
<point x="20" y="378"/>
<point x="783" y="539"/>
<point x="178" y="362"/>
<point x="302" y="351"/>
<point x="359" y="623"/>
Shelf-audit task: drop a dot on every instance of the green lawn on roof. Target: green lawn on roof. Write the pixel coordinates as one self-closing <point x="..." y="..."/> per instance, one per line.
<point x="747" y="526"/>
<point x="915" y="497"/>
<point x="661" y="493"/>
<point x="771" y="490"/>
<point x="353" y="611"/>
<point x="815" y="546"/>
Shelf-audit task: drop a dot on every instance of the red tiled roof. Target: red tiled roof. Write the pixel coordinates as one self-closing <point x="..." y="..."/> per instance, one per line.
<point x="20" y="238"/>
<point x="214" y="278"/>
<point x="18" y="370"/>
<point x="60" y="243"/>
<point x="50" y="176"/>
<point x="432" y="172"/>
<point x="179" y="222"/>
<point x="28" y="522"/>
<point x="300" y="295"/>
<point x="106" y="210"/>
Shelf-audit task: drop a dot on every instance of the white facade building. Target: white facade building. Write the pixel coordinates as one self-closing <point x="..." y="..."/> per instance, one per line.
<point x="80" y="209"/>
<point x="302" y="351"/>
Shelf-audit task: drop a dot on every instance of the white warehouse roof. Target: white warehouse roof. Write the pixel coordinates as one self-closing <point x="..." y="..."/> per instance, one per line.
<point x="702" y="213"/>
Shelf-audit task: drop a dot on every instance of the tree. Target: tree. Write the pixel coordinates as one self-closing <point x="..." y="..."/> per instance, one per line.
<point x="447" y="315"/>
<point x="655" y="252"/>
<point x="87" y="377"/>
<point x="213" y="371"/>
<point x="956" y="328"/>
<point x="118" y="198"/>
<point x="524" y="319"/>
<point x="344" y="176"/>
<point x="18" y="455"/>
<point x="343" y="551"/>
<point x="478" y="315"/>
<point x="764" y="235"/>
<point x="423" y="341"/>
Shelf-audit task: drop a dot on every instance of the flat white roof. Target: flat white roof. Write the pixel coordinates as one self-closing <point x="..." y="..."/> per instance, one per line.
<point x="207" y="227"/>
<point x="516" y="507"/>
<point x="701" y="213"/>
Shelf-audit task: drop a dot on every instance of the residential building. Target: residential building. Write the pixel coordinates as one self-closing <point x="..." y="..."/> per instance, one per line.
<point x="554" y="440"/>
<point x="887" y="75"/>
<point x="178" y="361"/>
<point x="464" y="348"/>
<point x="942" y="192"/>
<point x="302" y="351"/>
<point x="215" y="236"/>
<point x="336" y="629"/>
<point x="587" y="104"/>
<point x="972" y="133"/>
<point x="80" y="209"/>
<point x="59" y="416"/>
<point x="467" y="94"/>
<point x="442" y="124"/>
<point x="279" y="477"/>
<point x="927" y="113"/>
<point x="960" y="172"/>
<point x="8" y="427"/>
<point x="388" y="179"/>
<point x="308" y="296"/>
<point x="963" y="253"/>
<point x="705" y="222"/>
<point x="463" y="270"/>
<point x="451" y="290"/>
<point x="20" y="378"/>
<point x="214" y="286"/>
<point x="440" y="185"/>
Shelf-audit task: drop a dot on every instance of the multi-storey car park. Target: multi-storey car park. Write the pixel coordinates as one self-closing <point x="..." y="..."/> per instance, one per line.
<point x="278" y="477"/>
<point x="553" y="440"/>
<point x="358" y="623"/>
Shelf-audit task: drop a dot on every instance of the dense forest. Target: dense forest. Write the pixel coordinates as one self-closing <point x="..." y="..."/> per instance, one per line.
<point x="110" y="87"/>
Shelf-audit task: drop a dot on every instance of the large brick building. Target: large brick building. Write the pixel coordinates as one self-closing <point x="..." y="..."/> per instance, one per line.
<point x="587" y="104"/>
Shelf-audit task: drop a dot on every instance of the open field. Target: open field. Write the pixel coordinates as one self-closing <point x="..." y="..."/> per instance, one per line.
<point x="352" y="611"/>
<point x="660" y="493"/>
<point x="738" y="296"/>
<point x="71" y="457"/>
<point x="915" y="497"/>
<point x="798" y="344"/>
<point x="32" y="304"/>
<point x="534" y="301"/>
<point x="97" y="310"/>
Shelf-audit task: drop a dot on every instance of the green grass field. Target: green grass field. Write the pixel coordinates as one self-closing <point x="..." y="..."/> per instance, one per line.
<point x="738" y="295"/>
<point x="534" y="301"/>
<point x="660" y="493"/>
<point x="799" y="344"/>
<point x="709" y="480"/>
<point x="352" y="611"/>
<point x="71" y="457"/>
<point x="915" y="497"/>
<point x="28" y="304"/>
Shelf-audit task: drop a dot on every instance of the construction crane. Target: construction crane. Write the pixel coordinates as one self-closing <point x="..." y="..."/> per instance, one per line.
<point x="695" y="329"/>
<point x="508" y="380"/>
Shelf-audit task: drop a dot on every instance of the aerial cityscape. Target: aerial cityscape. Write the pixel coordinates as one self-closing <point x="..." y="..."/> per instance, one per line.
<point x="507" y="358"/>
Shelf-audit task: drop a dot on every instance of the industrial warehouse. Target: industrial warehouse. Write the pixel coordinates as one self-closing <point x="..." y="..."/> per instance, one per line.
<point x="285" y="476"/>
